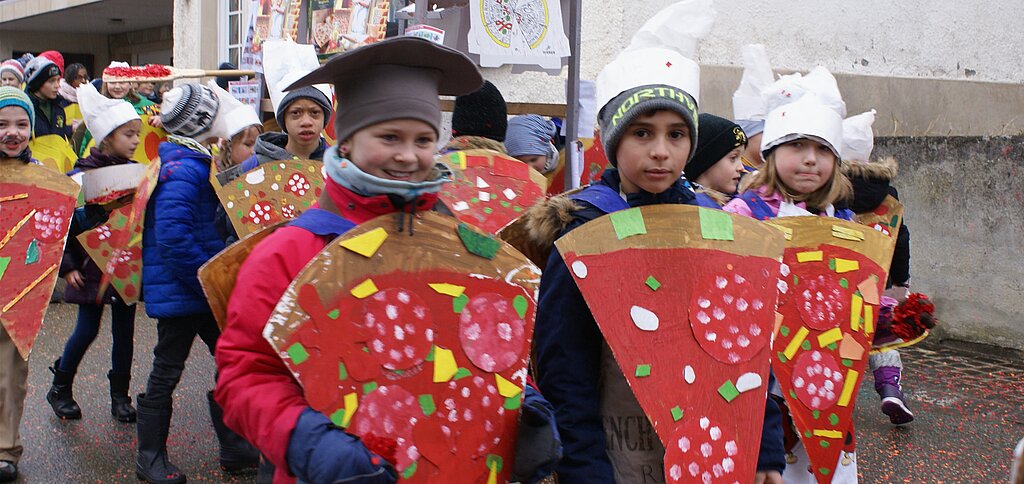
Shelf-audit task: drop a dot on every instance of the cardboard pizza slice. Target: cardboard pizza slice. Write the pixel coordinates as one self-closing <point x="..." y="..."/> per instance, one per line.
<point x="489" y="189"/>
<point x="36" y="206"/>
<point x="685" y="298"/>
<point x="417" y="343"/>
<point x="595" y="161"/>
<point x="116" y="245"/>
<point x="833" y="274"/>
<point x="54" y="152"/>
<point x="271" y="192"/>
<point x="219" y="275"/>
<point x="885" y="218"/>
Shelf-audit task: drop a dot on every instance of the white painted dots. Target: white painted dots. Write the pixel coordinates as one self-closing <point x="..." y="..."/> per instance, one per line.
<point x="817" y="380"/>
<point x="727" y="318"/>
<point x="704" y="452"/>
<point x="392" y="317"/>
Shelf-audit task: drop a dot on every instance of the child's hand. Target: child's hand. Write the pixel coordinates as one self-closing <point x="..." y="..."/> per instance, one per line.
<point x="771" y="477"/>
<point x="75" y="279"/>
<point x="155" y="122"/>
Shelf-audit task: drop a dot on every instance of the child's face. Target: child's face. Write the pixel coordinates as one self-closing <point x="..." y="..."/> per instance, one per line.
<point x="145" y="88"/>
<point x="118" y="90"/>
<point x="304" y="120"/>
<point x="653" y="152"/>
<point x="50" y="88"/>
<point x="8" y="79"/>
<point x="400" y="150"/>
<point x="123" y="141"/>
<point x="15" y="131"/>
<point x="804" y="165"/>
<point x="243" y="145"/>
<point x="724" y="175"/>
<point x="536" y="162"/>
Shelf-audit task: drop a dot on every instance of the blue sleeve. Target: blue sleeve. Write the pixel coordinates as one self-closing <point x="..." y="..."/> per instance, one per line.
<point x="249" y="164"/>
<point x="772" y="456"/>
<point x="318" y="451"/>
<point x="568" y="357"/>
<point x="176" y="204"/>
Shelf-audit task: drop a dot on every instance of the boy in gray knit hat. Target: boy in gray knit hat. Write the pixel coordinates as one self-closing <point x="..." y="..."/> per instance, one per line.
<point x="302" y="116"/>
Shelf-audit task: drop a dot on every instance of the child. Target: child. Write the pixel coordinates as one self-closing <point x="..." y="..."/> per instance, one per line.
<point x="16" y="121"/>
<point x="801" y="173"/>
<point x="126" y="92"/>
<point x="388" y="122"/>
<point x="180" y="234"/>
<point x="302" y="116"/>
<point x="117" y="133"/>
<point x="530" y="139"/>
<point x="479" y="121"/>
<point x="11" y="73"/>
<point x="717" y="166"/>
<point x="42" y="83"/>
<point x="648" y="132"/>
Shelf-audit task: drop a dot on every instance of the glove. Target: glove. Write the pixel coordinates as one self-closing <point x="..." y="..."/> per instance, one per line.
<point x="320" y="451"/>
<point x="538" y="446"/>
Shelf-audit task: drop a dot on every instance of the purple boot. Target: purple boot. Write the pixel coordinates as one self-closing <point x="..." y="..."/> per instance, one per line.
<point x="887" y="384"/>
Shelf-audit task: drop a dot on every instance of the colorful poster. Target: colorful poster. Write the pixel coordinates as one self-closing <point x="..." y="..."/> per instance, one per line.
<point x="270" y="193"/>
<point x="417" y="342"/>
<point x="36" y="206"/>
<point x="336" y="25"/>
<point x="248" y="92"/>
<point x="269" y="20"/>
<point x="518" y="32"/>
<point x="690" y="326"/>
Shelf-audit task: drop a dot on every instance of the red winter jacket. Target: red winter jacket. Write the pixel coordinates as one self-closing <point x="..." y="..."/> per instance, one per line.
<point x="261" y="399"/>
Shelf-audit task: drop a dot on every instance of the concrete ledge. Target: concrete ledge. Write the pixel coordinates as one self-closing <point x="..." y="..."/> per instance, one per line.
<point x="19" y="9"/>
<point x="965" y="211"/>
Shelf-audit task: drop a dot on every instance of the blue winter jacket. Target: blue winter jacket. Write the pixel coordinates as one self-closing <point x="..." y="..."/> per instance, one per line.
<point x="180" y="233"/>
<point x="568" y="356"/>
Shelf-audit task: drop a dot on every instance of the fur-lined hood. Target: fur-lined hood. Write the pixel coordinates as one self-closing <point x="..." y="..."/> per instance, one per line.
<point x="883" y="169"/>
<point x="535" y="232"/>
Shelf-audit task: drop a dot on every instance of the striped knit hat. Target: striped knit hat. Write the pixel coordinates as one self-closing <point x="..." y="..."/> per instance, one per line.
<point x="14" y="67"/>
<point x="12" y="96"/>
<point x="189" y="110"/>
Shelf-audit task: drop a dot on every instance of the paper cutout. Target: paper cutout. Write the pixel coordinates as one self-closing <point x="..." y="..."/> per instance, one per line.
<point x="506" y="388"/>
<point x="829" y="434"/>
<point x="848" y="387"/>
<point x="351" y="405"/>
<point x="786" y="231"/>
<point x="579" y="269"/>
<point x="809" y="256"/>
<point x="628" y="223"/>
<point x="715" y="224"/>
<point x="448" y="289"/>
<point x="489" y="189"/>
<point x="847" y="233"/>
<point x="364" y="289"/>
<point x="366" y="244"/>
<point x="444" y="427"/>
<point x="36" y="211"/>
<point x="219" y="275"/>
<point x="643" y="318"/>
<point x="794" y="344"/>
<point x="270" y="193"/>
<point x="444" y="365"/>
<point x="816" y="376"/>
<point x="869" y="320"/>
<point x="748" y="381"/>
<point x="54" y="152"/>
<point x="850" y="349"/>
<point x="728" y="391"/>
<point x="652" y="283"/>
<point x="856" y="308"/>
<point x="478" y="244"/>
<point x="702" y="449"/>
<point x="667" y="368"/>
<point x="886" y="218"/>
<point x="728" y="313"/>
<point x="868" y="289"/>
<point x="845" y="265"/>
<point x="831" y="336"/>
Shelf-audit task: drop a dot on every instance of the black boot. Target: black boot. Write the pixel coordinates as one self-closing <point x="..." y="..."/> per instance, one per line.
<point x="60" y="395"/>
<point x="237" y="455"/>
<point x="120" y="400"/>
<point x="151" y="463"/>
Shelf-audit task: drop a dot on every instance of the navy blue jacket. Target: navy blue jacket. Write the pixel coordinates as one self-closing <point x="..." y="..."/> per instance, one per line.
<point x="53" y="122"/>
<point x="180" y="233"/>
<point x="568" y="358"/>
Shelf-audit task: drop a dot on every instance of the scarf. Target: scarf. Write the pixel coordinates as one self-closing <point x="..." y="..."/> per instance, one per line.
<point x="348" y="175"/>
<point x="67" y="92"/>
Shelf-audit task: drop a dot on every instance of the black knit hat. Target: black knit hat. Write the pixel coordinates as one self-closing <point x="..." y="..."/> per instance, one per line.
<point x="717" y="137"/>
<point x="309" y="92"/>
<point x="482" y="113"/>
<point x="38" y="71"/>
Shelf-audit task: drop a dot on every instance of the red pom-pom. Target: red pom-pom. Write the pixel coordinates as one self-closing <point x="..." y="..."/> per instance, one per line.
<point x="913" y="317"/>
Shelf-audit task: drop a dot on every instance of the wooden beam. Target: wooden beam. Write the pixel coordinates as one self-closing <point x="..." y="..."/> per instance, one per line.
<point x="514" y="109"/>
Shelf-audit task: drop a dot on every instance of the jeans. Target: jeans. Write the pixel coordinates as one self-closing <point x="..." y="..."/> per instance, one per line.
<point x="122" y="330"/>
<point x="174" y="342"/>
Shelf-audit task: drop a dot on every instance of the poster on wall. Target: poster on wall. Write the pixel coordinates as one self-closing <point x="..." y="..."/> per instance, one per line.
<point x="336" y="25"/>
<point x="248" y="92"/>
<point x="268" y="20"/>
<point x="518" y="32"/>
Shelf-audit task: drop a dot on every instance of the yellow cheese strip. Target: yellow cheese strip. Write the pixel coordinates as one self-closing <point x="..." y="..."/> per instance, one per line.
<point x="10" y="198"/>
<point x="364" y="289"/>
<point x="848" y="386"/>
<point x="14" y="230"/>
<point x="869" y="319"/>
<point x="794" y="345"/>
<point x="447" y="289"/>
<point x="506" y="388"/>
<point x="786" y="231"/>
<point x="366" y="244"/>
<point x="461" y="157"/>
<point x="844" y="233"/>
<point x="492" y="476"/>
<point x="829" y="337"/>
<point x="846" y="265"/>
<point x="351" y="404"/>
<point x="444" y="364"/>
<point x="810" y="256"/>
<point x="856" y="305"/>
<point x="828" y="434"/>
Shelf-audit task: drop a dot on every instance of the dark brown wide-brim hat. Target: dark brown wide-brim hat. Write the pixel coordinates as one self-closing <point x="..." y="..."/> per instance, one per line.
<point x="397" y="78"/>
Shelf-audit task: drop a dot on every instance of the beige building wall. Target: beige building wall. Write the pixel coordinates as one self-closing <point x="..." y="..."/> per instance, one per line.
<point x="36" y="42"/>
<point x="195" y="33"/>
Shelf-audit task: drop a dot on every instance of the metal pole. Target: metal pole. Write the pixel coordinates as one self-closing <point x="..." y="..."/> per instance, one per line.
<point x="572" y="115"/>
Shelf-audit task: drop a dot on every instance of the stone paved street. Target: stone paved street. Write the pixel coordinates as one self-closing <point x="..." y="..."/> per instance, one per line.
<point x="969" y="404"/>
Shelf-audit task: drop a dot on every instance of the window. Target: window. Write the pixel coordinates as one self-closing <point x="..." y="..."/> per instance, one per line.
<point x="231" y="35"/>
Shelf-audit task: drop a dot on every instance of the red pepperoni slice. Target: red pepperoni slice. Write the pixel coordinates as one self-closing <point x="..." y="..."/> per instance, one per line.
<point x="491" y="332"/>
<point x="730" y="317"/>
<point x="702" y="451"/>
<point x="298" y="185"/>
<point x="821" y="300"/>
<point x="817" y="379"/>
<point x="390" y="411"/>
<point x="261" y="213"/>
<point x="472" y="405"/>
<point x="399" y="330"/>
<point x="50" y="225"/>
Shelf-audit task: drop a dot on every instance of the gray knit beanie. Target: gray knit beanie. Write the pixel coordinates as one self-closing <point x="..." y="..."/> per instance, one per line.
<point x="189" y="110"/>
<point x="308" y="92"/>
<point x="630" y="104"/>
